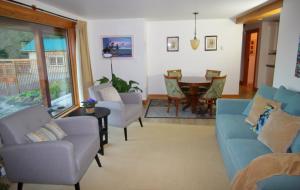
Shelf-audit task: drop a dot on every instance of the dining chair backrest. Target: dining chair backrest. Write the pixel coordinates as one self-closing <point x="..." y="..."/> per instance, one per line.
<point x="175" y="73"/>
<point x="216" y="88"/>
<point x="173" y="88"/>
<point x="212" y="73"/>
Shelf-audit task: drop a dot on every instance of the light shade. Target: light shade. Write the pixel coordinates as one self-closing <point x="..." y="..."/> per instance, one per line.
<point x="195" y="43"/>
<point x="107" y="55"/>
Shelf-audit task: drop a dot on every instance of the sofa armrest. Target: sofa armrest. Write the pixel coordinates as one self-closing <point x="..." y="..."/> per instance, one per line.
<point x="79" y="125"/>
<point x="131" y="98"/>
<point x="231" y="106"/>
<point x="43" y="162"/>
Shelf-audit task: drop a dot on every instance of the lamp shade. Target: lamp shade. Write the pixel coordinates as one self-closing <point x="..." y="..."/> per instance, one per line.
<point x="107" y="55"/>
<point x="195" y="43"/>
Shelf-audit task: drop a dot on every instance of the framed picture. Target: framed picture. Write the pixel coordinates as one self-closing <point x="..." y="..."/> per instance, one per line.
<point x="211" y="43"/>
<point x="119" y="46"/>
<point x="297" y="71"/>
<point x="173" y="43"/>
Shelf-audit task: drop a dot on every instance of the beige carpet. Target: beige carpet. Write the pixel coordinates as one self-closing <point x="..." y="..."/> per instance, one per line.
<point x="156" y="157"/>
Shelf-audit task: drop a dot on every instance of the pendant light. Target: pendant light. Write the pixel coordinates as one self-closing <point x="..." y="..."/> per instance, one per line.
<point x="195" y="42"/>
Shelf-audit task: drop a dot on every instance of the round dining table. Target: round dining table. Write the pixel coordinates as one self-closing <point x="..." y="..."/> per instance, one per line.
<point x="193" y="82"/>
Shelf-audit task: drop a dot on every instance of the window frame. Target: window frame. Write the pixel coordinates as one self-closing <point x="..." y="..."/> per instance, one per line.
<point x="32" y="15"/>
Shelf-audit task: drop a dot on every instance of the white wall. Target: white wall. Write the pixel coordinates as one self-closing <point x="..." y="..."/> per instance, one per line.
<point x="194" y="62"/>
<point x="127" y="68"/>
<point x="289" y="31"/>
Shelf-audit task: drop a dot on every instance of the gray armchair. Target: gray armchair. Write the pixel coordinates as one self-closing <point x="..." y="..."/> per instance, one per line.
<point x="61" y="162"/>
<point x="122" y="113"/>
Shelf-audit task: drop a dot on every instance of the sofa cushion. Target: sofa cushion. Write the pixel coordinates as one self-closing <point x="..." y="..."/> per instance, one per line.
<point x="258" y="108"/>
<point x="234" y="126"/>
<point x="243" y="151"/>
<point x="84" y="148"/>
<point x="293" y="105"/>
<point x="264" y="91"/>
<point x="283" y="95"/>
<point x="280" y="131"/>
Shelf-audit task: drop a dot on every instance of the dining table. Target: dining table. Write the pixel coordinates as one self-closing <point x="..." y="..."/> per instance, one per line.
<point x="193" y="83"/>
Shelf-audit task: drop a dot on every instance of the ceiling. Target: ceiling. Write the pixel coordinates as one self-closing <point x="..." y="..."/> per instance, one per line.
<point x="154" y="9"/>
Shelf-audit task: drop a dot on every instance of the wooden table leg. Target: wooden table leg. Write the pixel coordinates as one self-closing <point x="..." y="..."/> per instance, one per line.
<point x="194" y="98"/>
<point x="101" y="150"/>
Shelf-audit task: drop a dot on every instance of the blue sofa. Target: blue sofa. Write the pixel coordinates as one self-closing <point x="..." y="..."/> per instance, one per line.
<point x="239" y="144"/>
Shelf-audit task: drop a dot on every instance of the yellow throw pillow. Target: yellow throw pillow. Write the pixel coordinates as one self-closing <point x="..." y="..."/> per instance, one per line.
<point x="280" y="130"/>
<point x="258" y="107"/>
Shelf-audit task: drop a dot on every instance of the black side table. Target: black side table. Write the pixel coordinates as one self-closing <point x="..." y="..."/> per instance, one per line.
<point x="101" y="114"/>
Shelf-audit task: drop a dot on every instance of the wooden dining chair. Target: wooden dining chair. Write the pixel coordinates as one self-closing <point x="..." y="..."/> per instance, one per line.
<point x="208" y="75"/>
<point x="214" y="92"/>
<point x="212" y="73"/>
<point x="174" y="92"/>
<point x="175" y="73"/>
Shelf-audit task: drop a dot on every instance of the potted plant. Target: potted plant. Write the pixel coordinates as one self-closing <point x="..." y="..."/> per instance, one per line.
<point x="89" y="105"/>
<point x="121" y="85"/>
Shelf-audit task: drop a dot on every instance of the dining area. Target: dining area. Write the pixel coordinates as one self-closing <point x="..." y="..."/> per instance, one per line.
<point x="195" y="94"/>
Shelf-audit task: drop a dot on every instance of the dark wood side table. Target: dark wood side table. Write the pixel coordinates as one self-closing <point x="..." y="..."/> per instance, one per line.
<point x="101" y="114"/>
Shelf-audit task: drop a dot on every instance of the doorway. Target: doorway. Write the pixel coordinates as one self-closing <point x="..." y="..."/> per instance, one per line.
<point x="250" y="58"/>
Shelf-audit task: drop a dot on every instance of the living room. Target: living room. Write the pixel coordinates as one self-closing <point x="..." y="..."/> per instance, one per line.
<point x="107" y="71"/>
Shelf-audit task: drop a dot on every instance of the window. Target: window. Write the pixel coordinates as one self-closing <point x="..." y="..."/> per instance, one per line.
<point x="35" y="67"/>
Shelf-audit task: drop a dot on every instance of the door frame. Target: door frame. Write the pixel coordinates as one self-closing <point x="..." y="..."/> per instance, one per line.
<point x="246" y="56"/>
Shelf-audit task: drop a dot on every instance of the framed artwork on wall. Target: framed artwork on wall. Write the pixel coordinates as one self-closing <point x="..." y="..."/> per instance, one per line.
<point x="119" y="46"/>
<point x="297" y="71"/>
<point x="211" y="43"/>
<point x="172" y="43"/>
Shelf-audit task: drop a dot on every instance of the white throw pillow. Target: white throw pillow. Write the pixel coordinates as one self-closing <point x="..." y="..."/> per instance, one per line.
<point x="55" y="129"/>
<point x="110" y="94"/>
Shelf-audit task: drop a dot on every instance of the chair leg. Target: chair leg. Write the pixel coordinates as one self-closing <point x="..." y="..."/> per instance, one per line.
<point x="77" y="186"/>
<point x="169" y="103"/>
<point x="125" y="133"/>
<point x="98" y="161"/>
<point x="20" y="186"/>
<point x="141" y="123"/>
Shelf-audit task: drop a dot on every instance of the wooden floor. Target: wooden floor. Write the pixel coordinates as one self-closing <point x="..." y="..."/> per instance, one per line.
<point x="244" y="93"/>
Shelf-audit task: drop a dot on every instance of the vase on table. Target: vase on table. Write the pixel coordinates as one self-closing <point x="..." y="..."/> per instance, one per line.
<point x="90" y="110"/>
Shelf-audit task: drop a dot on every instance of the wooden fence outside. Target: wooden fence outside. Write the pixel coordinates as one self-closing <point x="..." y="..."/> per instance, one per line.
<point x="19" y="75"/>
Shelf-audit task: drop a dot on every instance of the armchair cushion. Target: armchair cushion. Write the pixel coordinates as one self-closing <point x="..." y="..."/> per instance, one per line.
<point x="41" y="135"/>
<point x="110" y="94"/>
<point x="55" y="129"/>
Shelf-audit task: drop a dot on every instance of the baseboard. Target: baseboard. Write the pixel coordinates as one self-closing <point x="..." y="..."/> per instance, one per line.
<point x="164" y="96"/>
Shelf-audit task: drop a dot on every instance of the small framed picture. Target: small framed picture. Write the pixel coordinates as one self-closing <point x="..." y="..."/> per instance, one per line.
<point x="173" y="43"/>
<point x="211" y="43"/>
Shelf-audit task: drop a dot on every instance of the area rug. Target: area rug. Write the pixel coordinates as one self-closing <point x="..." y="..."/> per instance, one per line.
<point x="158" y="156"/>
<point x="158" y="109"/>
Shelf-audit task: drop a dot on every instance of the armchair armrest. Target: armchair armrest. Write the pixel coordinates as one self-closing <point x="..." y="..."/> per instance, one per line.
<point x="111" y="105"/>
<point x="231" y="106"/>
<point x="44" y="162"/>
<point x="131" y="98"/>
<point x="79" y="125"/>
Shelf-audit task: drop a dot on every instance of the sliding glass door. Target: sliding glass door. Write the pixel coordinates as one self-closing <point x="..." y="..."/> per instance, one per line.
<point x="34" y="67"/>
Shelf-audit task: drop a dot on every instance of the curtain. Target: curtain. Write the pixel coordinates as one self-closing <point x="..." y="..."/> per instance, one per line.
<point x="84" y="58"/>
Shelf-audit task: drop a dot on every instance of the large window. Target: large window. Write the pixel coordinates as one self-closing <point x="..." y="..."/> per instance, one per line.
<point x="35" y="67"/>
